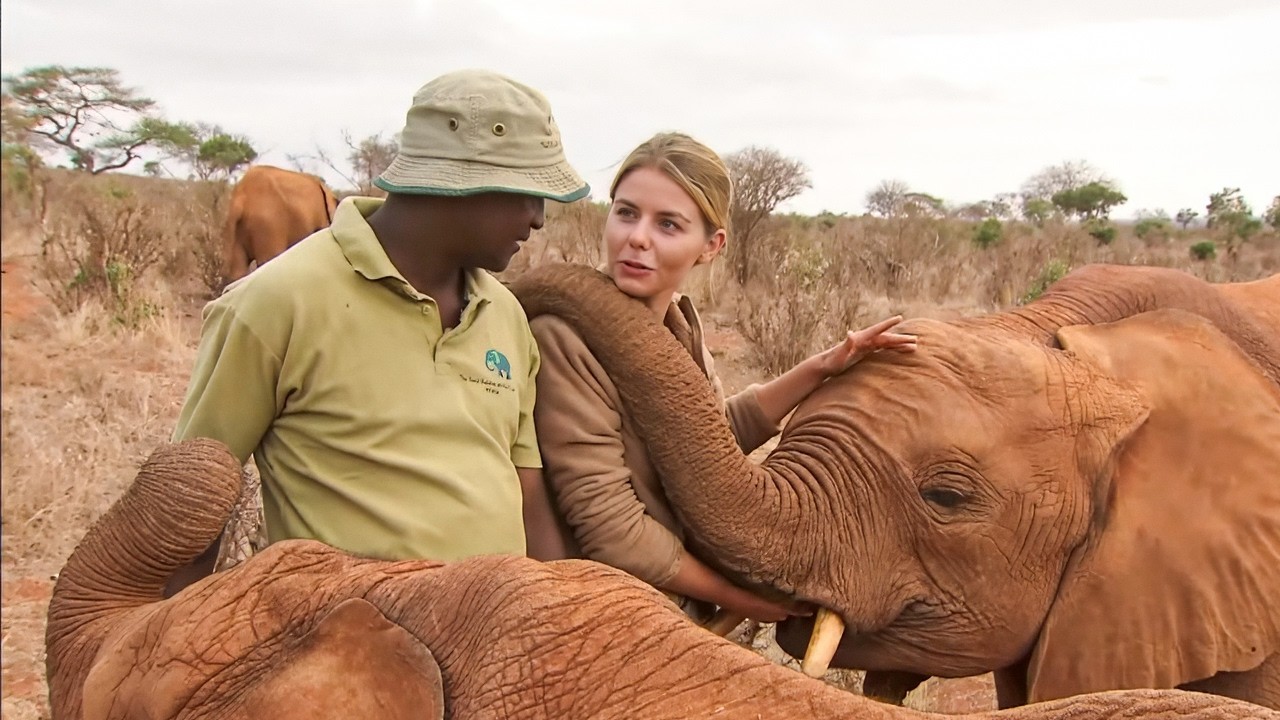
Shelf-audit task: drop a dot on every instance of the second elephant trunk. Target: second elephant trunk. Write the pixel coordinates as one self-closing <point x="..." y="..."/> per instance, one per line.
<point x="129" y="554"/>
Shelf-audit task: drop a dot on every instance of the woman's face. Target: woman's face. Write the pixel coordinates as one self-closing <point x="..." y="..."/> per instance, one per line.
<point x="654" y="235"/>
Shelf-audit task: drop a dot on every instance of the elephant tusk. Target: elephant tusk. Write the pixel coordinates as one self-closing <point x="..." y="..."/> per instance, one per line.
<point x="828" y="628"/>
<point x="724" y="622"/>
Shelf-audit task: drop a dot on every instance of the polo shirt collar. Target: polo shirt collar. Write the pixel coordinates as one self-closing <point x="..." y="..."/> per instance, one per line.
<point x="366" y="255"/>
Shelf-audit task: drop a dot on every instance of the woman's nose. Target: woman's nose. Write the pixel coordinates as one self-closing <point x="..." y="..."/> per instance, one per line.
<point x="639" y="236"/>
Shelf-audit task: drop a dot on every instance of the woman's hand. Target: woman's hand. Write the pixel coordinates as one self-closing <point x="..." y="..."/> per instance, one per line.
<point x="697" y="580"/>
<point x="861" y="343"/>
<point x="750" y="605"/>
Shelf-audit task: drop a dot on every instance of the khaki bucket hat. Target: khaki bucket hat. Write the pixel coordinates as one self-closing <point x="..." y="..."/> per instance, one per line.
<point x="475" y="131"/>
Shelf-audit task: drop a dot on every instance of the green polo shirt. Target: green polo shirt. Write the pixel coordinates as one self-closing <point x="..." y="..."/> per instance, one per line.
<point x="374" y="430"/>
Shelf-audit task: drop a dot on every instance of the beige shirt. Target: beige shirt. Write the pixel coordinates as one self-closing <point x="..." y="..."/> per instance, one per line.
<point x="597" y="467"/>
<point x="376" y="430"/>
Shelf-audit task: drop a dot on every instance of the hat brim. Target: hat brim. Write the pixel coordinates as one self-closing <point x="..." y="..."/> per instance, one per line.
<point x="437" y="176"/>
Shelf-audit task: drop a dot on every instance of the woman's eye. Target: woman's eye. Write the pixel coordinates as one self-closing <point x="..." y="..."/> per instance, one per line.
<point x="944" y="497"/>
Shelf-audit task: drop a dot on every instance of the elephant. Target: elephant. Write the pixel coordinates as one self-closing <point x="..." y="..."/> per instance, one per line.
<point x="271" y="209"/>
<point x="302" y="630"/>
<point x="498" y="363"/>
<point x="1079" y="494"/>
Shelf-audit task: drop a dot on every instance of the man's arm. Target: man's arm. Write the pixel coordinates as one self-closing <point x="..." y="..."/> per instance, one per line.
<point x="232" y="398"/>
<point x="544" y="532"/>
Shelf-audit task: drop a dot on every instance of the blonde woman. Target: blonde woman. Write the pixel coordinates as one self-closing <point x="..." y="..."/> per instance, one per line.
<point x="669" y="212"/>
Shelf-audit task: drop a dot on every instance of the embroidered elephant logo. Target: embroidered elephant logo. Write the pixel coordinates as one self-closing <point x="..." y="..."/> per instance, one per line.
<point x="498" y="363"/>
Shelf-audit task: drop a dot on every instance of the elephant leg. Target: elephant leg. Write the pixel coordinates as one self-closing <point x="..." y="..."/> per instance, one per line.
<point x="1011" y="684"/>
<point x="1260" y="686"/>
<point x="890" y="686"/>
<point x="354" y="663"/>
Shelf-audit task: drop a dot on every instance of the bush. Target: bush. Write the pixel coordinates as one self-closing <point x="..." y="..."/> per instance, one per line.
<point x="988" y="233"/>
<point x="1052" y="272"/>
<point x="1204" y="250"/>
<point x="1155" y="227"/>
<point x="1101" y="230"/>
<point x="100" y="251"/>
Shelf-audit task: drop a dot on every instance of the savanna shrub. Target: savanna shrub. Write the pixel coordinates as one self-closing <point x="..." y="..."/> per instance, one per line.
<point x="1204" y="250"/>
<point x="100" y="250"/>
<point x="1102" y="231"/>
<point x="1052" y="272"/>
<point x="988" y="233"/>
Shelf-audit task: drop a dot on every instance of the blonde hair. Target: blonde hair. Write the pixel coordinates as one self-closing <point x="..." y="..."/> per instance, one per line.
<point x="693" y="166"/>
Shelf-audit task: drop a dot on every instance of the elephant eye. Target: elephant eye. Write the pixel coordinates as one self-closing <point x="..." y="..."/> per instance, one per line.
<point x="944" y="497"/>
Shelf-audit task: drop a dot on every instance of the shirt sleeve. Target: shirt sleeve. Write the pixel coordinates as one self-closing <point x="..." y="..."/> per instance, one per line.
<point x="233" y="395"/>
<point x="750" y="426"/>
<point x="525" y="452"/>
<point x="580" y="432"/>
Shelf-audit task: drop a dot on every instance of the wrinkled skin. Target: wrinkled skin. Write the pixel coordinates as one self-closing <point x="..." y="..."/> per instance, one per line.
<point x="304" y="631"/>
<point x="270" y="210"/>
<point x="1080" y="494"/>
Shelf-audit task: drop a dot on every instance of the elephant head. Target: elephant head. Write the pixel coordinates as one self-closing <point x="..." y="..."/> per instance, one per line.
<point x="304" y="631"/>
<point x="1082" y="492"/>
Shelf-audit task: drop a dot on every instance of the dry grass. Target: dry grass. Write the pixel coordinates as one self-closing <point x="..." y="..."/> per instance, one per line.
<point x="87" y="393"/>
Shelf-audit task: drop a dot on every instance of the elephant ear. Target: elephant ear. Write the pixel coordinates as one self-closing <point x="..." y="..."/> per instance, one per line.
<point x="1178" y="577"/>
<point x="354" y="663"/>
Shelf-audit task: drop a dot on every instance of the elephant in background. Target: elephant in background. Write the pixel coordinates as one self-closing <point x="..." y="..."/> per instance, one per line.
<point x="1081" y="494"/>
<point x="271" y="209"/>
<point x="304" y="631"/>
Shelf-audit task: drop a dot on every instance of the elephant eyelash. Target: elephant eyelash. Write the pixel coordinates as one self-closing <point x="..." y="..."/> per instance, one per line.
<point x="948" y="498"/>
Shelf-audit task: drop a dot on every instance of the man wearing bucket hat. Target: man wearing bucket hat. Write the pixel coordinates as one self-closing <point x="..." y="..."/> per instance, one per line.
<point x="381" y="379"/>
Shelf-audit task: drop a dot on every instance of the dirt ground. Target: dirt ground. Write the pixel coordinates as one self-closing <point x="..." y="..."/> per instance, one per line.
<point x="30" y="366"/>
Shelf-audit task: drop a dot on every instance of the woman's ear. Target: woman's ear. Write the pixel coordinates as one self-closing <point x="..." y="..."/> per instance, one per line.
<point x="715" y="244"/>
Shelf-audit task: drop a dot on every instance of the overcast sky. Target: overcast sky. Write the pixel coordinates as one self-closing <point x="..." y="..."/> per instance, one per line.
<point x="1174" y="99"/>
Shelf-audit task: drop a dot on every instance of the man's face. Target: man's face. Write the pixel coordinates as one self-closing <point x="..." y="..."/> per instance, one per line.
<point x="495" y="226"/>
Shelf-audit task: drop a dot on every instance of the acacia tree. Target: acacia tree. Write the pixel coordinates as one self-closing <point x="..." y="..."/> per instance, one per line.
<point x="1069" y="175"/>
<point x="1272" y="215"/>
<point x="888" y="198"/>
<point x="1229" y="214"/>
<point x="88" y="113"/>
<point x="1185" y="217"/>
<point x="763" y="179"/>
<point x="1089" y="202"/>
<point x="208" y="150"/>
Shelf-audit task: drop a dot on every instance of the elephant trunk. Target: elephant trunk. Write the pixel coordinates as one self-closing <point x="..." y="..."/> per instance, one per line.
<point x="728" y="502"/>
<point x="177" y="505"/>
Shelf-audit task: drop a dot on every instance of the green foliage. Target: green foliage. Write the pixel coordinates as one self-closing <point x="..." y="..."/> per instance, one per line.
<point x="1101" y="230"/>
<point x="1204" y="250"/>
<point x="1152" y="225"/>
<point x="1068" y="175"/>
<point x="78" y="110"/>
<point x="223" y="153"/>
<point x="1037" y="211"/>
<point x="1186" y="216"/>
<point x="1231" y="216"/>
<point x="1052" y="272"/>
<point x="1090" y="202"/>
<point x="988" y="233"/>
